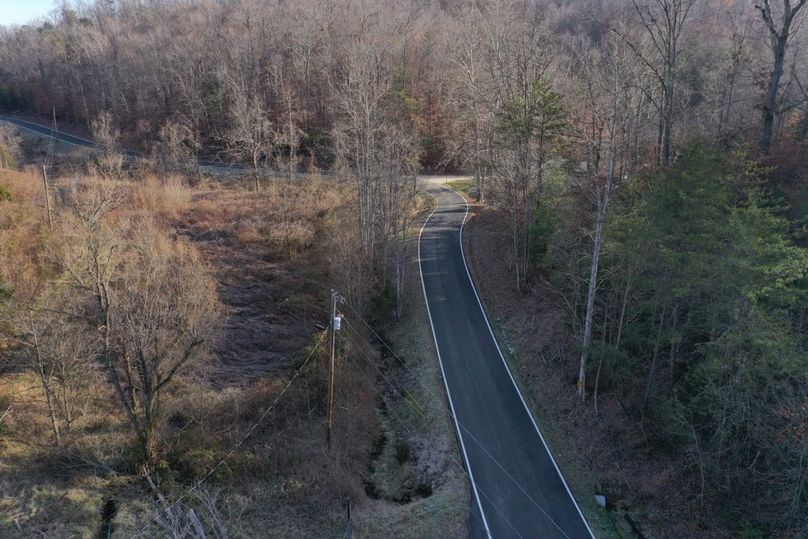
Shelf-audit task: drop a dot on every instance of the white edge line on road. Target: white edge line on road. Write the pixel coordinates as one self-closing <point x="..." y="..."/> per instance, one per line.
<point x="90" y="145"/>
<point x="443" y="375"/>
<point x="53" y="134"/>
<point x="507" y="368"/>
<point x="40" y="134"/>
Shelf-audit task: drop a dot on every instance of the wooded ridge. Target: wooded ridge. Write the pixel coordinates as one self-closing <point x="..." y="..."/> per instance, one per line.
<point x="638" y="167"/>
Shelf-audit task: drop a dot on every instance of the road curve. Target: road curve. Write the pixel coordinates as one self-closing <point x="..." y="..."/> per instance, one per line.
<point x="517" y="487"/>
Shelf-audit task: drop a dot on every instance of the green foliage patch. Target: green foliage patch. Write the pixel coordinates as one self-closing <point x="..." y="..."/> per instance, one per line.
<point x="701" y="331"/>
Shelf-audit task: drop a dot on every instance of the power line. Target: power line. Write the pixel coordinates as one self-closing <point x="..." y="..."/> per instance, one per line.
<point x="365" y="357"/>
<point x="253" y="426"/>
<point x="452" y="457"/>
<point x="407" y="397"/>
<point x="51" y="142"/>
<point x="446" y="409"/>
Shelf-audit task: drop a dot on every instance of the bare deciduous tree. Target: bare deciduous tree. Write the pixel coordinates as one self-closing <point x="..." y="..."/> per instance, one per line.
<point x="36" y="352"/>
<point x="379" y="148"/>
<point x="529" y="117"/>
<point x="738" y="55"/>
<point x="288" y="139"/>
<point x="148" y="298"/>
<point x="361" y="100"/>
<point x="779" y="34"/>
<point x="108" y="138"/>
<point x="177" y="145"/>
<point x="55" y="343"/>
<point x="62" y="353"/>
<point x="609" y="88"/>
<point x="163" y="313"/>
<point x="251" y="136"/>
<point x="9" y="146"/>
<point x="664" y="22"/>
<point x="472" y="97"/>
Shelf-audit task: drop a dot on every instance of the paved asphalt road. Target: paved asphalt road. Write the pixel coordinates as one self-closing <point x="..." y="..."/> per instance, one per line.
<point x="48" y="132"/>
<point x="518" y="490"/>
<point x="78" y="141"/>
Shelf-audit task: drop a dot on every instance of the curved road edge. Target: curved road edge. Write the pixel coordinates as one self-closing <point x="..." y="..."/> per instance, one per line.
<point x="429" y="183"/>
<point x="479" y="506"/>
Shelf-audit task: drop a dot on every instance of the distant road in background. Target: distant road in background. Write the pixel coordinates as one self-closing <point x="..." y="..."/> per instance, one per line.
<point x="49" y="132"/>
<point x="518" y="489"/>
<point x="85" y="143"/>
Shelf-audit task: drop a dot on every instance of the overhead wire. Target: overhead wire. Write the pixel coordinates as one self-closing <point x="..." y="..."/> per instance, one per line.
<point x="460" y="424"/>
<point x="406" y="396"/>
<point x="393" y="386"/>
<point x="254" y="425"/>
<point x="417" y="407"/>
<point x="453" y="457"/>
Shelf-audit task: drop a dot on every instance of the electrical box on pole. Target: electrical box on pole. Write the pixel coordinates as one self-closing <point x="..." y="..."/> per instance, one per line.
<point x="336" y="323"/>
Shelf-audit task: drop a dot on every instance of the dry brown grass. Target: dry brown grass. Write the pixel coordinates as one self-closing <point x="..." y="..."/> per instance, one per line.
<point x="265" y="250"/>
<point x="25" y="185"/>
<point x="24" y="214"/>
<point x="58" y="491"/>
<point x="161" y="197"/>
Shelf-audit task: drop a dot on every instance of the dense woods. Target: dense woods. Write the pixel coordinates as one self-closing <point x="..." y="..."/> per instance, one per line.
<point x="645" y="160"/>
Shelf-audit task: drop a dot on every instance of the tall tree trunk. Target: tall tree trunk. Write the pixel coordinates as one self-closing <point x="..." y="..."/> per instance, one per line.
<point x="673" y="344"/>
<point x="287" y="218"/>
<point x="44" y="378"/>
<point x="779" y="43"/>
<point x="667" y="122"/>
<point x="256" y="181"/>
<point x="515" y="226"/>
<point x="623" y="306"/>
<point x="652" y="372"/>
<point x="51" y="408"/>
<point x="770" y="104"/>
<point x="149" y="434"/>
<point x="525" y="236"/>
<point x="600" y="359"/>
<point x="399" y="269"/>
<point x="603" y="202"/>
<point x="113" y="372"/>
<point x="660" y="135"/>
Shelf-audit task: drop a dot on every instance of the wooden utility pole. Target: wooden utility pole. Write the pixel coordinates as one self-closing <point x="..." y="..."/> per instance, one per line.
<point x="333" y="326"/>
<point x="47" y="198"/>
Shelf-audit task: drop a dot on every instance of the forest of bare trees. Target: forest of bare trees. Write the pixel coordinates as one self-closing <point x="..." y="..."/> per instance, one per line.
<point x="645" y="160"/>
<point x="222" y="74"/>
